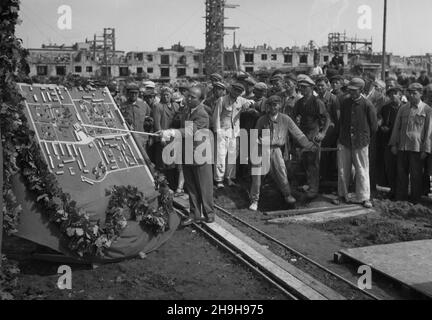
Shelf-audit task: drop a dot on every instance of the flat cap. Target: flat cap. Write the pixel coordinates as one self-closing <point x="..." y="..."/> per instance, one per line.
<point x="337" y="78"/>
<point x="132" y="87"/>
<point x="305" y="80"/>
<point x="321" y="77"/>
<point x="291" y="76"/>
<point x="216" y="77"/>
<point x="356" y="84"/>
<point x="260" y="86"/>
<point x="394" y="88"/>
<point x="277" y="77"/>
<point x="241" y="76"/>
<point x="220" y="85"/>
<point x="249" y="81"/>
<point x="380" y="84"/>
<point x="149" y="93"/>
<point x="415" y="87"/>
<point x="149" y="84"/>
<point x="177" y="97"/>
<point x="238" y="86"/>
<point x="166" y="89"/>
<point x="274" y="99"/>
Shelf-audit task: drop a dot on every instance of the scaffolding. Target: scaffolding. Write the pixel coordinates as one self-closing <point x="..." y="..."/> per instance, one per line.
<point x="215" y="31"/>
<point x="341" y="43"/>
<point x="106" y="44"/>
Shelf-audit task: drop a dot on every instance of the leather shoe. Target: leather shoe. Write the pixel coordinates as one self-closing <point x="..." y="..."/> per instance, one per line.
<point x="209" y="219"/>
<point x="187" y="222"/>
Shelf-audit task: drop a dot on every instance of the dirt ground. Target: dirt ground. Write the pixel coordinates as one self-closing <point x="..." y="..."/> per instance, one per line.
<point x="392" y="222"/>
<point x="186" y="267"/>
<point x="189" y="267"/>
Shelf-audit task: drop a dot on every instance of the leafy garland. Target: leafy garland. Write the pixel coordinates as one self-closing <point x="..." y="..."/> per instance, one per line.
<point x="22" y="154"/>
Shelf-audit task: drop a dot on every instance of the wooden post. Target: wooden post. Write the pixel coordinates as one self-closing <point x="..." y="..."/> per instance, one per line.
<point x="1" y="198"/>
<point x="384" y="42"/>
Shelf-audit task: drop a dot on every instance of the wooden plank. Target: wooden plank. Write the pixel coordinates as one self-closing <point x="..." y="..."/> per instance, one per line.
<point x="320" y="217"/>
<point x="293" y="270"/>
<point x="294" y="212"/>
<point x="270" y="262"/>
<point x="264" y="263"/>
<point x="407" y="263"/>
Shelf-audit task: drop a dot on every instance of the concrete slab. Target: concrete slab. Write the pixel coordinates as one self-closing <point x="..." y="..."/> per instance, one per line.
<point x="321" y="217"/>
<point x="409" y="263"/>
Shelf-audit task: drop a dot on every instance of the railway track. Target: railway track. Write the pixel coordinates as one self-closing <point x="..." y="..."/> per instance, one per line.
<point x="293" y="282"/>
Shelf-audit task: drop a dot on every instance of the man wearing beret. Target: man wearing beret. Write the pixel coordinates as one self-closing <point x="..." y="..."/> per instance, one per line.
<point x="281" y="127"/>
<point x="386" y="120"/>
<point x="411" y="142"/>
<point x="357" y="123"/>
<point x="226" y="124"/>
<point x="314" y="123"/>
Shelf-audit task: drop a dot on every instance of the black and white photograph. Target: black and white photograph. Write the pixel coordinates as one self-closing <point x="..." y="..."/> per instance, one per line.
<point x="220" y="158"/>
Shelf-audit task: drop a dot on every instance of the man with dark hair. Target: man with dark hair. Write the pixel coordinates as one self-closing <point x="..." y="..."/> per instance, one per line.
<point x="423" y="79"/>
<point x="328" y="164"/>
<point x="198" y="176"/>
<point x="357" y="123"/>
<point x="281" y="127"/>
<point x="290" y="96"/>
<point x="386" y="120"/>
<point x="411" y="142"/>
<point x="314" y="122"/>
<point x="337" y="82"/>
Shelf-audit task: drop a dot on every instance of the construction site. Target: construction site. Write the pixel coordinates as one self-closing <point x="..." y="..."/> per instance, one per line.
<point x="316" y="249"/>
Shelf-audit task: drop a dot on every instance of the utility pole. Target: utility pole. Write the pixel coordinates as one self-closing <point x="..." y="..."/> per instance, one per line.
<point x="1" y="199"/>
<point x="383" y="71"/>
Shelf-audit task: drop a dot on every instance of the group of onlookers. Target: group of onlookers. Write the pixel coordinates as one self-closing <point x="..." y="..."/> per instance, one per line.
<point x="371" y="132"/>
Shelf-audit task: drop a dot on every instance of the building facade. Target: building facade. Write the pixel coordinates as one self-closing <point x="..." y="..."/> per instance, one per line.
<point x="176" y="63"/>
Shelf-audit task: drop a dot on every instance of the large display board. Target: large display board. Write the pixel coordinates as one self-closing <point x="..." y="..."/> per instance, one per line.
<point x="88" y="147"/>
<point x="75" y="128"/>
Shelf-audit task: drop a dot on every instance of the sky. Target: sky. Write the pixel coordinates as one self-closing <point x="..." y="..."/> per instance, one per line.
<point x="146" y="25"/>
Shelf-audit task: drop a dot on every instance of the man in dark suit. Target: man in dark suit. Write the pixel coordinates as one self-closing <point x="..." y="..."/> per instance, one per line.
<point x="197" y="158"/>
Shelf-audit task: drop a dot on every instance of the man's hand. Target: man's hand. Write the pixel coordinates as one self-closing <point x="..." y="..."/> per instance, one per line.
<point x="394" y="150"/>
<point x="385" y="129"/>
<point x="319" y="137"/>
<point x="423" y="155"/>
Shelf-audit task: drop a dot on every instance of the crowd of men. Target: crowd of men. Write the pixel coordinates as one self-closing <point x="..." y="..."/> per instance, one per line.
<point x="358" y="131"/>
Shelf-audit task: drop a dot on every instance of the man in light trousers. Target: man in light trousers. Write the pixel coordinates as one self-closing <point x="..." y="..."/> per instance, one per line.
<point x="357" y="123"/>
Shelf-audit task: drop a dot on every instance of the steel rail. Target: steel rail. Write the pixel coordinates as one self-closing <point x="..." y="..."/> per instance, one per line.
<point x="238" y="255"/>
<point x="269" y="237"/>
